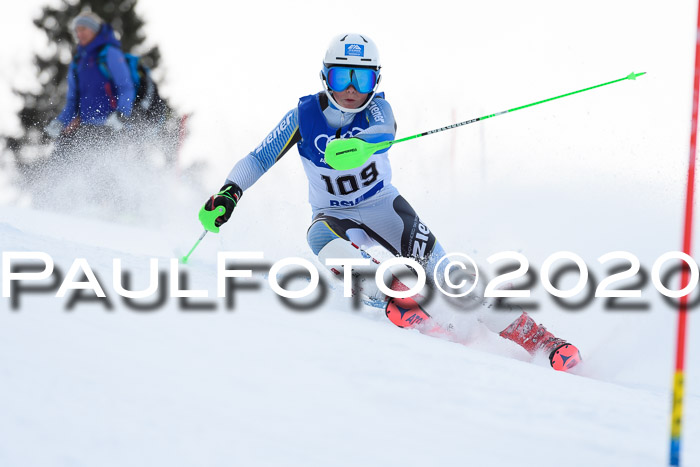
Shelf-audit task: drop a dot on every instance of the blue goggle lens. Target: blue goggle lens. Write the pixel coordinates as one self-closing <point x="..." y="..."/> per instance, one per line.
<point x="362" y="79"/>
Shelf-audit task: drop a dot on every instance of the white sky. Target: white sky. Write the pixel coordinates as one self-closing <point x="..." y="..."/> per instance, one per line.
<point x="239" y="66"/>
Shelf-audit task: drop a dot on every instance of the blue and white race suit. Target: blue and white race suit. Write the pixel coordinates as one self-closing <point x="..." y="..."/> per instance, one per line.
<point x="345" y="203"/>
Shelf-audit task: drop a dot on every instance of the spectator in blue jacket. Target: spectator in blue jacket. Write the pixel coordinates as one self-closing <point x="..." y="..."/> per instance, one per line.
<point x="100" y="89"/>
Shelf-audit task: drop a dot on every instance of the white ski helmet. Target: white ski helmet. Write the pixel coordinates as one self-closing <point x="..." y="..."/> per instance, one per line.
<point x="352" y="51"/>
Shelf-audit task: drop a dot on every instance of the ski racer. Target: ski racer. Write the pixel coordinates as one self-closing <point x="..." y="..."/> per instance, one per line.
<point x="361" y="206"/>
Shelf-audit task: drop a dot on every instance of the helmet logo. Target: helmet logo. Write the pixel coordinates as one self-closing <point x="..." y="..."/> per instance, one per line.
<point x="354" y="50"/>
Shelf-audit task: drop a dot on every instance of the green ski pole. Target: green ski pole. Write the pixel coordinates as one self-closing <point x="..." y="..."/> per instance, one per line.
<point x="186" y="258"/>
<point x="208" y="220"/>
<point x="346" y="154"/>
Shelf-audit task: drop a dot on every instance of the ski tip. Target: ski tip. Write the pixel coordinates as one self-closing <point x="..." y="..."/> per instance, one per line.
<point x="565" y="357"/>
<point x="634" y="75"/>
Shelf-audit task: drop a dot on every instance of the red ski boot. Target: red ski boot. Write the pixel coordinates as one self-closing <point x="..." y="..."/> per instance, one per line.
<point x="407" y="313"/>
<point x="525" y="332"/>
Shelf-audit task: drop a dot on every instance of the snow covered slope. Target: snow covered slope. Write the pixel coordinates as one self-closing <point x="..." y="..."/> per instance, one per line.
<point x="265" y="385"/>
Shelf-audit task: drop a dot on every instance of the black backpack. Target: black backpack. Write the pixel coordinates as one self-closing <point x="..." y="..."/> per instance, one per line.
<point x="148" y="104"/>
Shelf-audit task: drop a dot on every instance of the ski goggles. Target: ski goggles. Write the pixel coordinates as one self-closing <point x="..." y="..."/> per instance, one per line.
<point x="362" y="79"/>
